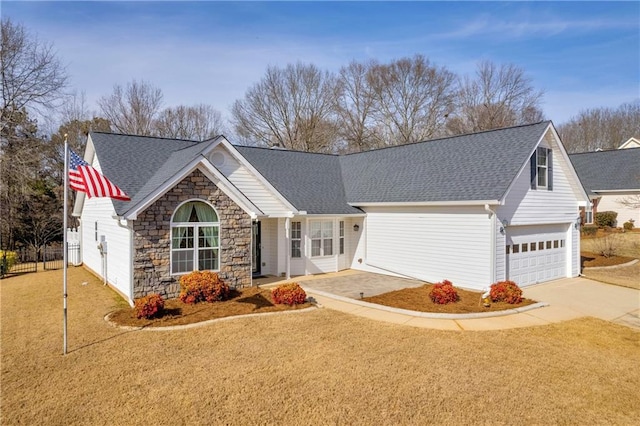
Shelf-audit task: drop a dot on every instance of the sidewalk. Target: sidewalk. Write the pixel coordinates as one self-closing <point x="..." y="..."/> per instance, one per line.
<point x="561" y="300"/>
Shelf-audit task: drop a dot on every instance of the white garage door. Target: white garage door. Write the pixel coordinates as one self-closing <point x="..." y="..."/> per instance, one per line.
<point x="536" y="253"/>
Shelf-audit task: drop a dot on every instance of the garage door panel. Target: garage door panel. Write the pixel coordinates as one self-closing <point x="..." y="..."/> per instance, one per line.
<point x="536" y="253"/>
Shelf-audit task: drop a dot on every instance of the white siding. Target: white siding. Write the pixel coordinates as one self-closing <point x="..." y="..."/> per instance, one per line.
<point x="612" y="203"/>
<point x="100" y="210"/>
<point x="524" y="206"/>
<point x="431" y="243"/>
<point x="247" y="182"/>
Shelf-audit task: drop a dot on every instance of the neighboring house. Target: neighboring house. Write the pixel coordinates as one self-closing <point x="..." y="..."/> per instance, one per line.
<point x="631" y="143"/>
<point x="610" y="178"/>
<point x="474" y="209"/>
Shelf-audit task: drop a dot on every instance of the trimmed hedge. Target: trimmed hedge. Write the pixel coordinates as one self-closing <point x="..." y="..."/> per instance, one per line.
<point x="288" y="294"/>
<point x="604" y="219"/>
<point x="149" y="306"/>
<point x="202" y="286"/>
<point x="443" y="293"/>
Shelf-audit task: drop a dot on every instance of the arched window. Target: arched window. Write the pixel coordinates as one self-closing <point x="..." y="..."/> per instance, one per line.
<point x="195" y="242"/>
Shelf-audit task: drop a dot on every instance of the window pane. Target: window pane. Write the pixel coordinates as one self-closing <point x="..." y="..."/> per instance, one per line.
<point x="295" y="230"/>
<point x="541" y="245"/>
<point x="182" y="261"/>
<point x="542" y="176"/>
<point x="525" y="247"/>
<point x="316" y="229"/>
<point x="295" y="248"/>
<point x="328" y="246"/>
<point x="508" y="246"/>
<point x="548" y="245"/>
<point x="516" y="248"/>
<point x="182" y="237"/>
<point x="341" y="245"/>
<point x="315" y="247"/>
<point x="342" y="228"/>
<point x="207" y="259"/>
<point x="532" y="247"/>
<point x="542" y="157"/>
<point x="561" y="243"/>
<point x="208" y="236"/>
<point x="555" y="243"/>
<point x="327" y="229"/>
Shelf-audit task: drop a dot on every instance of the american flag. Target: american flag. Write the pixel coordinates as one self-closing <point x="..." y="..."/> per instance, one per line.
<point x="84" y="178"/>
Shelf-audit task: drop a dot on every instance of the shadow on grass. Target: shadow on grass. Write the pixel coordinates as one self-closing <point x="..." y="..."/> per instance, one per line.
<point x="257" y="300"/>
<point x="97" y="342"/>
<point x="584" y="259"/>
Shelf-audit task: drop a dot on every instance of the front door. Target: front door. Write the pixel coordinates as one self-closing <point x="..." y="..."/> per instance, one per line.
<point x="255" y="250"/>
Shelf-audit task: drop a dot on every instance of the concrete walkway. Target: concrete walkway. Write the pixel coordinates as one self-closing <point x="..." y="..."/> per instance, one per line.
<point x="564" y="299"/>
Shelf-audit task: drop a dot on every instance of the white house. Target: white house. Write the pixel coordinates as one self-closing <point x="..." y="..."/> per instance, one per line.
<point x="473" y="209"/>
<point x="612" y="179"/>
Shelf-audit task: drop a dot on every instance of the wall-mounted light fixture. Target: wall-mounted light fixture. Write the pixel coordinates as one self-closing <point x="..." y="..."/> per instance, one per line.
<point x="356" y="227"/>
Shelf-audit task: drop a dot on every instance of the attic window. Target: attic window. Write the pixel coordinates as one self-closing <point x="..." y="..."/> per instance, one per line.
<point x="542" y="169"/>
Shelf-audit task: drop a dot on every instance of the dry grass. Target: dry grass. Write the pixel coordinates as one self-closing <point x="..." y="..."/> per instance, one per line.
<point x="626" y="276"/>
<point x="251" y="300"/>
<point x="628" y="243"/>
<point x="417" y="299"/>
<point x="318" y="367"/>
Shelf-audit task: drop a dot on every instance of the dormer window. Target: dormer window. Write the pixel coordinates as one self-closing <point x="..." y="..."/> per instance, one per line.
<point x="542" y="169"/>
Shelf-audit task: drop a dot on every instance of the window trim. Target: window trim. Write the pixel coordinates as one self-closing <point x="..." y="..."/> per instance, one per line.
<point x="547" y="167"/>
<point x="340" y="237"/>
<point x="196" y="247"/>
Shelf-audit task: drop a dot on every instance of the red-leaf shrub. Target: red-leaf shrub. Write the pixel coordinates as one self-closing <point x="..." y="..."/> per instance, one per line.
<point x="149" y="306"/>
<point x="506" y="291"/>
<point x="288" y="294"/>
<point x="202" y="286"/>
<point x="443" y="293"/>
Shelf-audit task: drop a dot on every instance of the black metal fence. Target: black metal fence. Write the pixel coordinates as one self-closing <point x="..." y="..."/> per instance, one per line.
<point x="27" y="259"/>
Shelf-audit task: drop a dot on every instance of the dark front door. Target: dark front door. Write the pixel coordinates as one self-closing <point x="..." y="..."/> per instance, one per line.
<point x="255" y="249"/>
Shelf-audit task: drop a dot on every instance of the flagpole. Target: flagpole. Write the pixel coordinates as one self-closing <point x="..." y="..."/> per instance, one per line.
<point x="64" y="245"/>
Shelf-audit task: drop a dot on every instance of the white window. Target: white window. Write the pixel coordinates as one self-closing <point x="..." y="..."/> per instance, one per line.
<point x="321" y="238"/>
<point x="541" y="169"/>
<point x="541" y="162"/>
<point x="341" y="235"/>
<point x="588" y="217"/>
<point x="296" y="237"/>
<point x="195" y="243"/>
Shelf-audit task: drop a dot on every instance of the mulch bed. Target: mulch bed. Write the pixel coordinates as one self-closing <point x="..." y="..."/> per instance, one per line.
<point x="590" y="260"/>
<point x="417" y="299"/>
<point x="245" y="301"/>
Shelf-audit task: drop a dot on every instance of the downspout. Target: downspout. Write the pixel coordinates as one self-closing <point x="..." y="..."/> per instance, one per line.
<point x="128" y="225"/>
<point x="492" y="216"/>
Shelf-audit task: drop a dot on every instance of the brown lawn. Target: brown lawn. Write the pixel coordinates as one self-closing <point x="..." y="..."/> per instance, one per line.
<point x="628" y="245"/>
<point x="417" y="299"/>
<point x="241" y="302"/>
<point x="314" y="367"/>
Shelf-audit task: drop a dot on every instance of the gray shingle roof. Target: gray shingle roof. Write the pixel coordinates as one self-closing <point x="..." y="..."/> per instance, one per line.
<point x="478" y="166"/>
<point x="131" y="162"/>
<point x="608" y="170"/>
<point x="309" y="181"/>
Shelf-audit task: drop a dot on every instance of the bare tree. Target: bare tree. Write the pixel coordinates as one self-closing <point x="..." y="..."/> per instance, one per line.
<point x="498" y="96"/>
<point x="32" y="76"/>
<point x="601" y="128"/>
<point x="133" y="108"/>
<point x="412" y="100"/>
<point x="356" y="105"/>
<point x="199" y="122"/>
<point x="292" y="108"/>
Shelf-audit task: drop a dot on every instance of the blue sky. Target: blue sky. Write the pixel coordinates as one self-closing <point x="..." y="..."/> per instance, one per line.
<point x="582" y="54"/>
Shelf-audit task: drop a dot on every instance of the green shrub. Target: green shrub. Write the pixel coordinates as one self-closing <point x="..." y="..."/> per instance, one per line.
<point x="149" y="306"/>
<point x="288" y="294"/>
<point x="443" y="293"/>
<point x="604" y="219"/>
<point x="628" y="226"/>
<point x="7" y="260"/>
<point x="506" y="291"/>
<point x="202" y="286"/>
<point x="589" y="230"/>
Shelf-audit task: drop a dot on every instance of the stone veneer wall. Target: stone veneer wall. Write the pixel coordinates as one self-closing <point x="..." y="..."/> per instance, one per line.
<point x="152" y="239"/>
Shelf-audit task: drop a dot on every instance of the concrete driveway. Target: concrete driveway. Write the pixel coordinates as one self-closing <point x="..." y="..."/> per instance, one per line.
<point x="577" y="297"/>
<point x="567" y="299"/>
